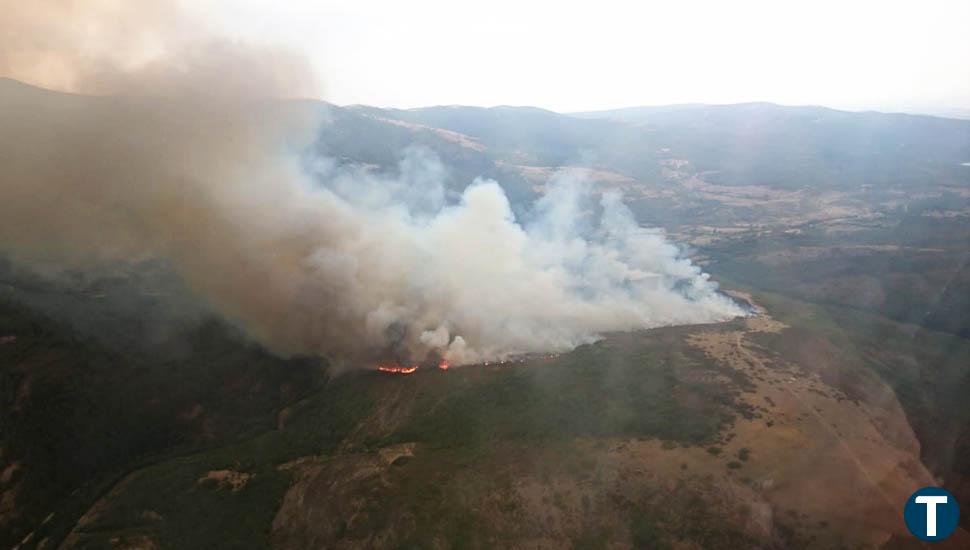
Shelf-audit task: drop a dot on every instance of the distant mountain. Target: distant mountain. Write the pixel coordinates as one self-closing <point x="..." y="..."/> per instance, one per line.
<point x="751" y="143"/>
<point x="742" y="144"/>
<point x="132" y="417"/>
<point x="951" y="113"/>
<point x="643" y="113"/>
<point x="519" y="134"/>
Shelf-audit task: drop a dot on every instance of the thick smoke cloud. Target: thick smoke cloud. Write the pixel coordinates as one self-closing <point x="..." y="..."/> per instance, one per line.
<point x="469" y="280"/>
<point x="148" y="47"/>
<point x="193" y="159"/>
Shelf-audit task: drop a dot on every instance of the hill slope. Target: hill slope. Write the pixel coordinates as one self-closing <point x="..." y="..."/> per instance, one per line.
<point x="131" y="417"/>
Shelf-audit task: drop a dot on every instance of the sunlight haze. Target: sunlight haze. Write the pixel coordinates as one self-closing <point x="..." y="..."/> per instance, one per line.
<point x="572" y="56"/>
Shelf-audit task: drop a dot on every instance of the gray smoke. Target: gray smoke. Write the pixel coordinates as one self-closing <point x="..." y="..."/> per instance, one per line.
<point x="194" y="160"/>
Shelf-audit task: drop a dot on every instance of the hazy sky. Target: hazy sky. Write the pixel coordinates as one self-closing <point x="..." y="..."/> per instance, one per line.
<point x="605" y="54"/>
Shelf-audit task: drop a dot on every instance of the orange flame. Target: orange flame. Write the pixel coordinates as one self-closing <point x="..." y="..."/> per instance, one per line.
<point x="444" y="365"/>
<point x="397" y="370"/>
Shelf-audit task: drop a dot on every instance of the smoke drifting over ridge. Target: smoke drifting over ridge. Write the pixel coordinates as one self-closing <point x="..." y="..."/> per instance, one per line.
<point x="194" y="159"/>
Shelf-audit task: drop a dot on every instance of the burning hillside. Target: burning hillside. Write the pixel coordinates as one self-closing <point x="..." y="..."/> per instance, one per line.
<point x="307" y="257"/>
<point x="395" y="368"/>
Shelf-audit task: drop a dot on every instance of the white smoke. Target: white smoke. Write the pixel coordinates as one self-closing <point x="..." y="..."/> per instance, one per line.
<point x="469" y="282"/>
<point x="192" y="160"/>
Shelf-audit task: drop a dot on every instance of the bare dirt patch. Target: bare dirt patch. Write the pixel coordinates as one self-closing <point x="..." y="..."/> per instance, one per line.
<point x="827" y="459"/>
<point x="235" y="481"/>
<point x="331" y="496"/>
<point x="458" y="138"/>
<point x="7" y="475"/>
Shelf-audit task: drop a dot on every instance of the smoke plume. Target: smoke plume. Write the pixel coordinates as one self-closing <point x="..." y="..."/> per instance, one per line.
<point x="188" y="153"/>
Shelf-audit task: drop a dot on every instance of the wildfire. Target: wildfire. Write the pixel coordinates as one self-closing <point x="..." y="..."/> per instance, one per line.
<point x="397" y="370"/>
<point x="445" y="365"/>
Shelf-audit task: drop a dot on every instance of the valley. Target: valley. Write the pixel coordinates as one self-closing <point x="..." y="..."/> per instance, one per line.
<point x="136" y="416"/>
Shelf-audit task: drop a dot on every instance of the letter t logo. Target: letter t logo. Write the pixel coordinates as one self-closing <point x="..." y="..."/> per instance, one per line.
<point x="931" y="502"/>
